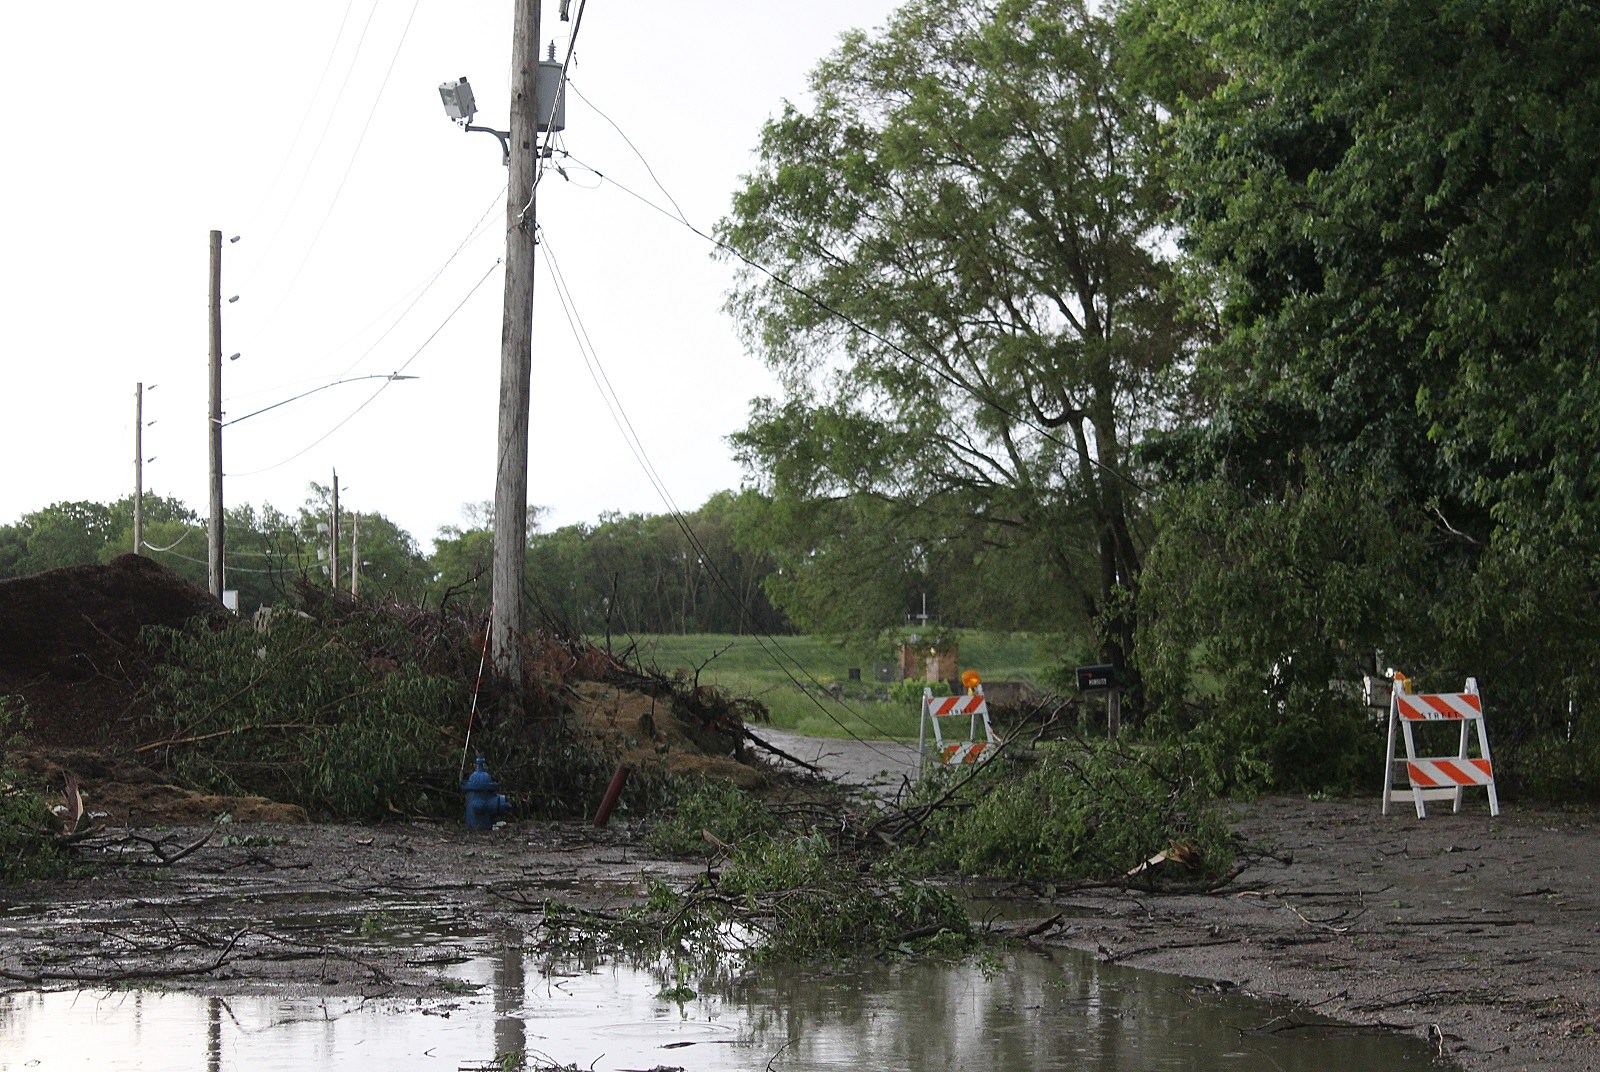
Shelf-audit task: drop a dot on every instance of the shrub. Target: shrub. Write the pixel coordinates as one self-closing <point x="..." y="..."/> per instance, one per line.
<point x="1252" y="608"/>
<point x="909" y="691"/>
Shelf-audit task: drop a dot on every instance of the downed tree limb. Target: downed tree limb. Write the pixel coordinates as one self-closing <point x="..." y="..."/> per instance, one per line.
<point x="1033" y="928"/>
<point x="1110" y="957"/>
<point x="125" y="974"/>
<point x="161" y="848"/>
<point x="780" y="753"/>
<point x="913" y="818"/>
<point x="171" y="741"/>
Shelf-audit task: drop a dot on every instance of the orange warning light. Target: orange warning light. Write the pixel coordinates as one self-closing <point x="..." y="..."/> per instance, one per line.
<point x="970" y="680"/>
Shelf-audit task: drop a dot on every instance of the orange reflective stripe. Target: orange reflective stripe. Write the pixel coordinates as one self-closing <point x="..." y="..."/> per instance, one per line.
<point x="1418" y="777"/>
<point x="1448" y="771"/>
<point x="1439" y="706"/>
<point x="957" y="705"/>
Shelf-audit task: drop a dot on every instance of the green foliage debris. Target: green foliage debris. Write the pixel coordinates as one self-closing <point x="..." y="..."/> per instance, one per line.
<point x="306" y="713"/>
<point x="27" y="849"/>
<point x="1083" y="810"/>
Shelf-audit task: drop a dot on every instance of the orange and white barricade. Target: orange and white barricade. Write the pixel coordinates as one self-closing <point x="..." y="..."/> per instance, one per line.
<point x="972" y="706"/>
<point x="1437" y="777"/>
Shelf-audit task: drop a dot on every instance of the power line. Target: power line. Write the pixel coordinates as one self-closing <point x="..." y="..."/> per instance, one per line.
<point x="152" y="547"/>
<point x="203" y="562"/>
<point x="776" y="652"/>
<point x="322" y="137"/>
<point x="311" y="103"/>
<point x="681" y="218"/>
<point x="475" y="232"/>
<point x="416" y="294"/>
<point x="386" y="383"/>
<point x="927" y="366"/>
<point x="350" y="165"/>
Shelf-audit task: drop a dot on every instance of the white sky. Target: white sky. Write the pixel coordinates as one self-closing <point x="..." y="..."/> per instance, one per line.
<point x="135" y="129"/>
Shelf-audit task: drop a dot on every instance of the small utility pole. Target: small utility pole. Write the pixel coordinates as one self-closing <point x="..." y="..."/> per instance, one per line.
<point x="355" y="555"/>
<point x="333" y="536"/>
<point x="214" y="522"/>
<point x="516" y="352"/>
<point x="138" y="468"/>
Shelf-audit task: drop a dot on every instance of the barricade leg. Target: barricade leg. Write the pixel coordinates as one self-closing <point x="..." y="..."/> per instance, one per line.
<point x="922" y="739"/>
<point x="1483" y="750"/>
<point x="1388" y="761"/>
<point x="1411" y="756"/>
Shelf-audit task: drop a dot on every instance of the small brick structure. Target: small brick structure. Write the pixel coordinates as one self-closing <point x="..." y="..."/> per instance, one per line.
<point x="921" y="662"/>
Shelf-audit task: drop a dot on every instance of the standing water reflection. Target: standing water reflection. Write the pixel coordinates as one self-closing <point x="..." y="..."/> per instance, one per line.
<point x="1019" y="1011"/>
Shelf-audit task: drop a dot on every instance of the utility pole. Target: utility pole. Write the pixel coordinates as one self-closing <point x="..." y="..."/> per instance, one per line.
<point x="516" y="352"/>
<point x="214" y="431"/>
<point x="138" y="468"/>
<point x="355" y="555"/>
<point x="333" y="536"/>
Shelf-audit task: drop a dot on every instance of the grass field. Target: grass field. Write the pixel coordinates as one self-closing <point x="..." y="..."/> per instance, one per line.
<point x="791" y="675"/>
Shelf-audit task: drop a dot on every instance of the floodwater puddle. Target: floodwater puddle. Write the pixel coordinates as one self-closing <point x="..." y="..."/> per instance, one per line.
<point x="1019" y="1010"/>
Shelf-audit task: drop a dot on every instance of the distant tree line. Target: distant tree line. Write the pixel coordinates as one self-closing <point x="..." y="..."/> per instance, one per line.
<point x="638" y="573"/>
<point x="625" y="573"/>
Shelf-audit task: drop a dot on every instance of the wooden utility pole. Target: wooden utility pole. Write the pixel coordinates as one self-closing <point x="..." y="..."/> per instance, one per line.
<point x="138" y="468"/>
<point x="214" y="521"/>
<point x="516" y="352"/>
<point x="333" y="537"/>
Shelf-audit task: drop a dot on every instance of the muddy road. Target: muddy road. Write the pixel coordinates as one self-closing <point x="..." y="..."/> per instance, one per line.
<point x="1480" y="934"/>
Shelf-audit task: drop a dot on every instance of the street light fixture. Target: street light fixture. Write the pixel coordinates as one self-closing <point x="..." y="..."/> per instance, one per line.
<point x="460" y="106"/>
<point x="458" y="102"/>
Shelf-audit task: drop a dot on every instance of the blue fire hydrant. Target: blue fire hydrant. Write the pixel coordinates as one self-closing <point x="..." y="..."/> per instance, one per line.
<point x="484" y="802"/>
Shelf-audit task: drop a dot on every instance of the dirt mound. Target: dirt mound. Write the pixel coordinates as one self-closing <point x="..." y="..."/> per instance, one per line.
<point x="116" y="790"/>
<point x="647" y="732"/>
<point x="69" y="643"/>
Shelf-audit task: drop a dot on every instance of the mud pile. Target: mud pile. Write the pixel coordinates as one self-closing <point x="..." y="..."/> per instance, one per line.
<point x="69" y="644"/>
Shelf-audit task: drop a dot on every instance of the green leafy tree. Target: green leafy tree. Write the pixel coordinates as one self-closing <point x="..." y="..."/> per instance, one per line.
<point x="61" y="534"/>
<point x="654" y="574"/>
<point x="391" y="564"/>
<point x="970" y="325"/>
<point x="1391" y="205"/>
<point x="463" y="554"/>
<point x="174" y="535"/>
<point x="1262" y="615"/>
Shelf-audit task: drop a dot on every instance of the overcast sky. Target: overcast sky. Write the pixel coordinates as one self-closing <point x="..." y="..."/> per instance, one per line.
<point x="371" y="229"/>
